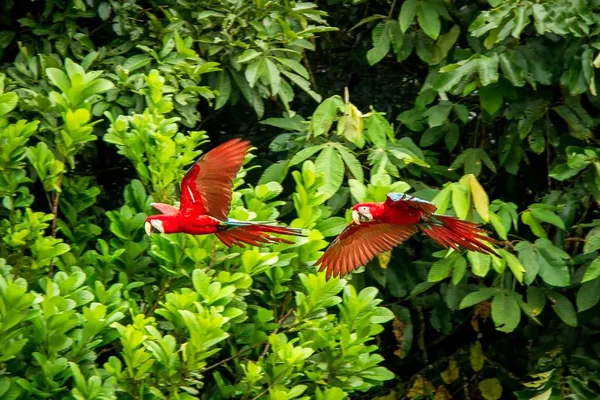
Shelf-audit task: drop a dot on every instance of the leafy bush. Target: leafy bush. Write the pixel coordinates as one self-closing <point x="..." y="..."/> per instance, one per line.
<point x="487" y="109"/>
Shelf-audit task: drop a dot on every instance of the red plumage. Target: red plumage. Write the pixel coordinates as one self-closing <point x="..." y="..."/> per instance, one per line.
<point x="206" y="191"/>
<point x="379" y="227"/>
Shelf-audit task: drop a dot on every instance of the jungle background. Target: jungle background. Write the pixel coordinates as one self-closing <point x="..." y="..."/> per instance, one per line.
<point x="487" y="108"/>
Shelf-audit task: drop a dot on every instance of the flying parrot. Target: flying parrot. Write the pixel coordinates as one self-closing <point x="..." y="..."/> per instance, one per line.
<point x="206" y="191"/>
<point x="379" y="227"/>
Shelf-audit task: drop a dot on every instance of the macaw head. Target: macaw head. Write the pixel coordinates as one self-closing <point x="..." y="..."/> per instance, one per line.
<point x="167" y="222"/>
<point x="362" y="212"/>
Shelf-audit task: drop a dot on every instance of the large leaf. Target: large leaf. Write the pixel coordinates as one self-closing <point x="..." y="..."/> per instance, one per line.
<point x="429" y="19"/>
<point x="329" y="162"/>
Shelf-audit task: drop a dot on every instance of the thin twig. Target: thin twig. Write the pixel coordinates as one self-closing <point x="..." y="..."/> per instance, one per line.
<point x="276" y="331"/>
<point x="160" y="296"/>
<point x="242" y="352"/>
<point x="55" y="202"/>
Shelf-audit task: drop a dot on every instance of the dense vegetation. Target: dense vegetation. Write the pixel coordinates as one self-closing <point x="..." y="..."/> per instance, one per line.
<point x="489" y="109"/>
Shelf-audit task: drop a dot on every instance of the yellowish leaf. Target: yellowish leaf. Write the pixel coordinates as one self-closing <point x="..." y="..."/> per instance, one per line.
<point x="481" y="201"/>
<point x="450" y="375"/>
<point x="460" y="200"/>
<point x="543" y="396"/>
<point x="384" y="259"/>
<point x="476" y="356"/>
<point x="442" y="393"/>
<point x="514" y="264"/>
<point x="490" y="389"/>
<point x="420" y="387"/>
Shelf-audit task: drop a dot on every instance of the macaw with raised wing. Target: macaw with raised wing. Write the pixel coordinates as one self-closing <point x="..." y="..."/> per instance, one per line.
<point x="206" y="191"/>
<point x="379" y="227"/>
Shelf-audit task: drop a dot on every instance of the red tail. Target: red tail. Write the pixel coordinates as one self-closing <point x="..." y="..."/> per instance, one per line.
<point x="256" y="235"/>
<point x="453" y="232"/>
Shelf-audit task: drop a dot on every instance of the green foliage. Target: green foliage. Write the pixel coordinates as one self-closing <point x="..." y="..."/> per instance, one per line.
<point x="489" y="110"/>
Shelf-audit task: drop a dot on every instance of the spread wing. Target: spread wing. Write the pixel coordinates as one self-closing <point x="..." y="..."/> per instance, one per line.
<point x="206" y="187"/>
<point x="402" y="200"/>
<point x="358" y="244"/>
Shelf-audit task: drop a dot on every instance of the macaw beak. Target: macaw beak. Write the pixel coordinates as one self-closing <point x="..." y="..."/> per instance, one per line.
<point x="356" y="217"/>
<point x="154" y="225"/>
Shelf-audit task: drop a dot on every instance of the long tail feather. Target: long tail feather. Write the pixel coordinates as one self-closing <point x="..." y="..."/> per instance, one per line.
<point x="455" y="233"/>
<point x="238" y="232"/>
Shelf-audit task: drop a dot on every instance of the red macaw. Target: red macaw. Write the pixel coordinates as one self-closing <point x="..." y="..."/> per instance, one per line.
<point x="206" y="201"/>
<point x="379" y="227"/>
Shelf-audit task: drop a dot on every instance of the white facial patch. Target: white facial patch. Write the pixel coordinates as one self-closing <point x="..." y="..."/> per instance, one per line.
<point x="363" y="214"/>
<point x="148" y="228"/>
<point x="366" y="211"/>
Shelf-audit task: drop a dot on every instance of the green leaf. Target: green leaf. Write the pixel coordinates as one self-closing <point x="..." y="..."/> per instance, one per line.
<point x="381" y="44"/>
<point x="431" y="136"/>
<point x="592" y="240"/>
<point x="407" y="14"/>
<point x="487" y="68"/>
<point x="553" y="268"/>
<point x="528" y="219"/>
<point x="529" y="257"/>
<point x="136" y="62"/>
<point x="564" y="309"/>
<point x="547" y="216"/>
<point x="305" y="153"/>
<point x="329" y="162"/>
<point x="588" y="295"/>
<point x="248" y="55"/>
<point x="506" y="312"/>
<point x="438" y="114"/>
<point x="477" y="297"/>
<point x="490" y="389"/>
<point x="59" y="79"/>
<point x="441" y="269"/>
<point x="354" y="166"/>
<point x="592" y="272"/>
<point x="460" y="200"/>
<point x="536" y="299"/>
<point x="480" y="263"/>
<point x="514" y="264"/>
<point x="273" y="77"/>
<point x="324" y="115"/>
<point x="378" y="128"/>
<point x="223" y="86"/>
<point x="254" y="71"/>
<point x="8" y="102"/>
<point x="491" y="98"/>
<point x="274" y="173"/>
<point x="429" y="19"/>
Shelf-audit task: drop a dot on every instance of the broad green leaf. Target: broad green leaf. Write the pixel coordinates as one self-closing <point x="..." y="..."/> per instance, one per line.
<point x="248" y="55"/>
<point x="506" y="312"/>
<point x="273" y="77"/>
<point x="480" y="198"/>
<point x="59" y="79"/>
<point x="350" y="126"/>
<point x="528" y="219"/>
<point x="477" y="297"/>
<point x="274" y="173"/>
<point x="564" y="309"/>
<point x="381" y="43"/>
<point x="491" y="98"/>
<point x="305" y="153"/>
<point x="378" y="129"/>
<point x="429" y="19"/>
<point x="324" y="115"/>
<point x="592" y="271"/>
<point x="329" y="162"/>
<point x="547" y="216"/>
<point x="407" y="14"/>
<point x="553" y="268"/>
<point x="460" y="200"/>
<point x="487" y="68"/>
<point x="8" y="102"/>
<point x="490" y="389"/>
<point x="223" y="86"/>
<point x="536" y="298"/>
<point x="354" y="166"/>
<point x="441" y="269"/>
<point x="442" y="199"/>
<point x="255" y="70"/>
<point x="513" y="263"/>
<point x="476" y="356"/>
<point x="592" y="240"/>
<point x="529" y="257"/>
<point x="480" y="263"/>
<point x="438" y="114"/>
<point x="588" y="295"/>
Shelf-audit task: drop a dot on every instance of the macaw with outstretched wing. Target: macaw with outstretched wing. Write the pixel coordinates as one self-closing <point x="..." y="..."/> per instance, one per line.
<point x="379" y="227"/>
<point x="206" y="191"/>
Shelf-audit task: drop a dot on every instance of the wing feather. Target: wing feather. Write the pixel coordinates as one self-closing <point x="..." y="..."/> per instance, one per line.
<point x="403" y="200"/>
<point x="206" y="187"/>
<point x="358" y="244"/>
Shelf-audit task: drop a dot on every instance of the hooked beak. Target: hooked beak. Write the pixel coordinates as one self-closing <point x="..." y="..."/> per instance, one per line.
<point x="154" y="225"/>
<point x="356" y="217"/>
